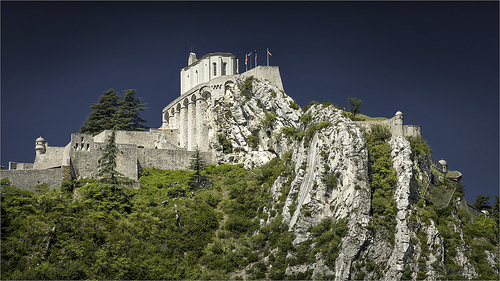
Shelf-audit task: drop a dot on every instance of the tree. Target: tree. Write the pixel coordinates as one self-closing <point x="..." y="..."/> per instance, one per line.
<point x="107" y="162"/>
<point x="197" y="165"/>
<point x="103" y="115"/>
<point x="482" y="203"/>
<point x="127" y="116"/>
<point x="354" y="105"/>
<point x="112" y="112"/>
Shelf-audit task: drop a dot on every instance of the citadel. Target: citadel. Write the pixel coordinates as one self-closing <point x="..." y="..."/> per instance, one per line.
<point x="184" y="129"/>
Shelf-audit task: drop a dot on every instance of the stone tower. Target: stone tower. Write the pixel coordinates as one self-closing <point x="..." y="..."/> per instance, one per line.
<point x="397" y="128"/>
<point x="40" y="145"/>
<point x="444" y="164"/>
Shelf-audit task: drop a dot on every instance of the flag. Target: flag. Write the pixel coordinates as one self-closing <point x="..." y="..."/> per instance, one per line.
<point x="269" y="52"/>
<point x="255" y="59"/>
<point x="246" y="59"/>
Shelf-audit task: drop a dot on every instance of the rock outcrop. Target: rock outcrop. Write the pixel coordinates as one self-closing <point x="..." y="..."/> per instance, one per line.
<point x="332" y="180"/>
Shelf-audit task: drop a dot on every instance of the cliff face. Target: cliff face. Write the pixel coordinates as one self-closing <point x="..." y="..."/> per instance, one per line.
<point x="334" y="178"/>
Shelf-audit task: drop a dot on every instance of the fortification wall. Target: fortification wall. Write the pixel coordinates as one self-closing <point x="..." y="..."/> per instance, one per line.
<point x="271" y="73"/>
<point x="395" y="125"/>
<point x="20" y="166"/>
<point x="155" y="138"/>
<point x="85" y="162"/>
<point x="412" y="130"/>
<point x="53" y="157"/>
<point x="29" y="179"/>
<point x="170" y="159"/>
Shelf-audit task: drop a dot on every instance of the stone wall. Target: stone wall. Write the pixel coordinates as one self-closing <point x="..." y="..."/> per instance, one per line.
<point x="29" y="179"/>
<point x="271" y="73"/>
<point x="412" y="130"/>
<point x="395" y="125"/>
<point x="20" y="166"/>
<point x="170" y="159"/>
<point x="155" y="138"/>
<point x="53" y="157"/>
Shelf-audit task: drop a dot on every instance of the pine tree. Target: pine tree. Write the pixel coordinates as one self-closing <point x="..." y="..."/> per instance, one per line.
<point x="107" y="163"/>
<point x="482" y="203"/>
<point x="103" y="116"/>
<point x="127" y="116"/>
<point x="197" y="165"/>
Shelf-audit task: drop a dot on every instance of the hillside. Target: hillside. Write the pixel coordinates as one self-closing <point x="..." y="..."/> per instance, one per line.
<point x="297" y="194"/>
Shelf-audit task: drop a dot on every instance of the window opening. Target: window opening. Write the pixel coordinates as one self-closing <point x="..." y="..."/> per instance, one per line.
<point x="215" y="69"/>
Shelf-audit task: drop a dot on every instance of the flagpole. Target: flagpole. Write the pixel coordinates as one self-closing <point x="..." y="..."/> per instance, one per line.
<point x="255" y="58"/>
<point x="267" y="54"/>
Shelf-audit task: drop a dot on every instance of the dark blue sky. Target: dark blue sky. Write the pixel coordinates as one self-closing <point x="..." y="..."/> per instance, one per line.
<point x="437" y="62"/>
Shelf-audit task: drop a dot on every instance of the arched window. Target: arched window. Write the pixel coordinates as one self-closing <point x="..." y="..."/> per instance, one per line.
<point x="215" y="69"/>
<point x="224" y="65"/>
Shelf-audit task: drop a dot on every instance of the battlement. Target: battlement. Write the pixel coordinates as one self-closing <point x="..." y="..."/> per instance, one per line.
<point x="395" y="125"/>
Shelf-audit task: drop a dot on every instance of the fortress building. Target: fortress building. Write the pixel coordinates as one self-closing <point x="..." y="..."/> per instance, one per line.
<point x="202" y="82"/>
<point x="184" y="128"/>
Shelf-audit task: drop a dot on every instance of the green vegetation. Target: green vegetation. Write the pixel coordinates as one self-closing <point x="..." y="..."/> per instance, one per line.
<point x="362" y="117"/>
<point x="383" y="178"/>
<point x="246" y="87"/>
<point x="354" y="105"/>
<point x="294" y="105"/>
<point x="419" y="147"/>
<point x="253" y="140"/>
<point x="480" y="232"/>
<point x="227" y="147"/>
<point x="165" y="229"/>
<point x="107" y="162"/>
<point x="269" y="120"/>
<point x="305" y="108"/>
<point x="327" y="235"/>
<point x="112" y="112"/>
<point x="197" y="164"/>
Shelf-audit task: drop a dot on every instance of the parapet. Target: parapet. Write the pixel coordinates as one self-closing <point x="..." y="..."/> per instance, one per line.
<point x="271" y="73"/>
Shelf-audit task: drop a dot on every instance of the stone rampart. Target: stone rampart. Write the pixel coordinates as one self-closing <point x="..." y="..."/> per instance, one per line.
<point x="20" y="166"/>
<point x="395" y="125"/>
<point x="52" y="158"/>
<point x="270" y="73"/>
<point x="412" y="130"/>
<point x="29" y="179"/>
<point x="155" y="138"/>
<point x="170" y="159"/>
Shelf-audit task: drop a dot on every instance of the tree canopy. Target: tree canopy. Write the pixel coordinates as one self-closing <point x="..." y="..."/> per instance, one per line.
<point x="112" y="112"/>
<point x="354" y="105"/>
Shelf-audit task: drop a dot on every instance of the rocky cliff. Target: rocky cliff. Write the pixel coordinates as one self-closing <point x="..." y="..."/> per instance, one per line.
<point x="373" y="183"/>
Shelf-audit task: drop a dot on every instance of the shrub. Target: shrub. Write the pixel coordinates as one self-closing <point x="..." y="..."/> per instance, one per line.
<point x="306" y="118"/>
<point x="227" y="147"/>
<point x="379" y="133"/>
<point x="253" y="140"/>
<point x="269" y="120"/>
<point x="419" y="147"/>
<point x="294" y="105"/>
<point x="246" y="87"/>
<point x="330" y="180"/>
